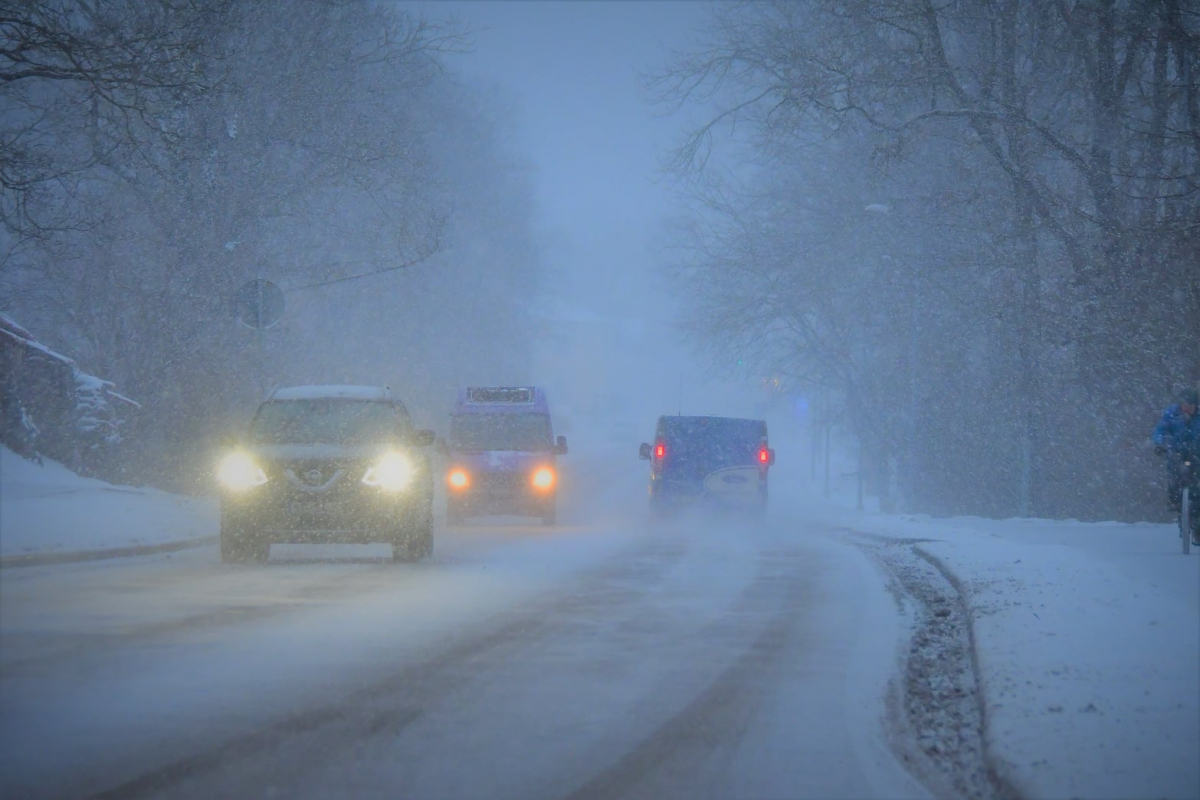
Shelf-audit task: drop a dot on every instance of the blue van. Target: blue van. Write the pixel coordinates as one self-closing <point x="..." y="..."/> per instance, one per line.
<point x="720" y="461"/>
<point x="502" y="454"/>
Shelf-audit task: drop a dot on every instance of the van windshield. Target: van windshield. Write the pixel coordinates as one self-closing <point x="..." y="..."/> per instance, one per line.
<point x="500" y="432"/>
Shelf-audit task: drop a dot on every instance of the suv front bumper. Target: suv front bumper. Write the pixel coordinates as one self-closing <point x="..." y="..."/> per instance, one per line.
<point x="359" y="516"/>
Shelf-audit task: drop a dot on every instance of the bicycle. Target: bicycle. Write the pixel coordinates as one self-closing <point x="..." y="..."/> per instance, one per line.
<point x="1189" y="514"/>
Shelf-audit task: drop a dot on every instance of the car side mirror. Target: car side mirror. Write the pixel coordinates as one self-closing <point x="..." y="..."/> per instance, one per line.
<point x="560" y="447"/>
<point x="644" y="452"/>
<point x="423" y="438"/>
<point x="771" y="456"/>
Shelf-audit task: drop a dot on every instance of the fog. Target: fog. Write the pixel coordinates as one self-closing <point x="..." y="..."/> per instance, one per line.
<point x="955" y="266"/>
<point x="799" y="399"/>
<point x="574" y="76"/>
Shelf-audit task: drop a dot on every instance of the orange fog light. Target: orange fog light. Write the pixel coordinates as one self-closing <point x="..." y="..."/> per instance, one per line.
<point x="458" y="479"/>
<point x="543" y="478"/>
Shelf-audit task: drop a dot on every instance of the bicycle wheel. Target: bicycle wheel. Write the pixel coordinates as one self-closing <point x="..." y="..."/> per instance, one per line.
<point x="1185" y="521"/>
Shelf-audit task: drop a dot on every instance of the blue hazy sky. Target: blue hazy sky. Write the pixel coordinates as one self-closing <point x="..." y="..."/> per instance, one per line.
<point x="572" y="70"/>
<point x="574" y="73"/>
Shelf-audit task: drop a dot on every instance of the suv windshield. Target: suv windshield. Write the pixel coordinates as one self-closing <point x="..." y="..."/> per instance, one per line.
<point x="326" y="421"/>
<point x="500" y="432"/>
<point x="713" y="442"/>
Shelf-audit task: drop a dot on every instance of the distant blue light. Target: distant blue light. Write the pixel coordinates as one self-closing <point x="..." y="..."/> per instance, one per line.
<point x="800" y="407"/>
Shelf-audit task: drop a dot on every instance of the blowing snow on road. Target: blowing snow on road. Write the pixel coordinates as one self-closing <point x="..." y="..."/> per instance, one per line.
<point x="810" y="654"/>
<point x="604" y="659"/>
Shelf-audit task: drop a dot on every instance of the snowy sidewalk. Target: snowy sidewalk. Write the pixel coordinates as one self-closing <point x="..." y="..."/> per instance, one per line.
<point x="49" y="511"/>
<point x="1087" y="642"/>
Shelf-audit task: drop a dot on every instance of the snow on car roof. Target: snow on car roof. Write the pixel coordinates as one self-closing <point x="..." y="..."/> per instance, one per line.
<point x="502" y="400"/>
<point x="326" y="392"/>
<point x="695" y="417"/>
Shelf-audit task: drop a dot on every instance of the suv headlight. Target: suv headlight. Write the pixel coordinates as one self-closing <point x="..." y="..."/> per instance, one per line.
<point x="239" y="472"/>
<point x="392" y="472"/>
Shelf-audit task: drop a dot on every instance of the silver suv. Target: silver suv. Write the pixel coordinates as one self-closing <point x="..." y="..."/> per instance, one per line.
<point x="328" y="464"/>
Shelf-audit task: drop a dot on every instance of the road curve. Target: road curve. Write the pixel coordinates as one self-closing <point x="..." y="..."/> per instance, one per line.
<point x="699" y="659"/>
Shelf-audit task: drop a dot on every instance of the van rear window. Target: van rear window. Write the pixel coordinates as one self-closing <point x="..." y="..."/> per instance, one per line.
<point x="715" y="441"/>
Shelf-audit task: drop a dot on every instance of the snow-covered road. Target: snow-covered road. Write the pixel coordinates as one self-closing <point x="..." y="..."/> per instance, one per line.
<point x="706" y="659"/>
<point x="819" y="653"/>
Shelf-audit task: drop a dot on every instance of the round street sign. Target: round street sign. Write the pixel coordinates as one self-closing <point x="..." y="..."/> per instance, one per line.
<point x="258" y="304"/>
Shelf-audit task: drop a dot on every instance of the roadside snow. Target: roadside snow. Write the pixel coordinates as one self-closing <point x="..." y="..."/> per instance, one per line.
<point x="1087" y="643"/>
<point x="1090" y="677"/>
<point x="48" y="508"/>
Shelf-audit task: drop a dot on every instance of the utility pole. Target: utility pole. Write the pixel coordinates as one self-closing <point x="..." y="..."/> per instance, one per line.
<point x="814" y="433"/>
<point x="260" y="333"/>
<point x="859" y="505"/>
<point x="913" y="431"/>
<point x="828" y="436"/>
<point x="259" y="305"/>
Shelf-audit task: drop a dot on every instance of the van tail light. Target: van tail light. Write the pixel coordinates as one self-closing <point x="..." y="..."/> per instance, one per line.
<point x="764" y="455"/>
<point x="660" y="450"/>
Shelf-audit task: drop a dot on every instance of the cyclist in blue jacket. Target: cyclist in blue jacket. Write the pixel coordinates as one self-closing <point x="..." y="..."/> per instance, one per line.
<point x="1177" y="436"/>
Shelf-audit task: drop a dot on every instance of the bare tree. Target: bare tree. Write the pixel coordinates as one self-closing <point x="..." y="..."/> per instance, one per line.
<point x="332" y="152"/>
<point x="83" y="84"/>
<point x="1075" y="123"/>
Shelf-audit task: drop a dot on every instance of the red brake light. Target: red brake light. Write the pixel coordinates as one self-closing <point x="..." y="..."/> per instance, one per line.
<point x="764" y="455"/>
<point x="660" y="451"/>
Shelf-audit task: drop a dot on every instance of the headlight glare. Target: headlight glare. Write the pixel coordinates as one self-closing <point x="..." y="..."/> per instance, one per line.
<point x="458" y="479"/>
<point x="239" y="472"/>
<point x="543" y="478"/>
<point x="392" y="472"/>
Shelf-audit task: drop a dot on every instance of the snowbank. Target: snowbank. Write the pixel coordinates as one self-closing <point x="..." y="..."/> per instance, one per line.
<point x="48" y="508"/>
<point x="1087" y="639"/>
<point x="1089" y="674"/>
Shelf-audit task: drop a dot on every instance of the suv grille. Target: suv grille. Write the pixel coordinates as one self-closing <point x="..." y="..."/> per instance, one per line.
<point x="313" y="475"/>
<point x="502" y="480"/>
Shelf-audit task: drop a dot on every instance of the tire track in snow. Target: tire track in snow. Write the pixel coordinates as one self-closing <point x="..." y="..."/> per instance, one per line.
<point x="389" y="706"/>
<point x="724" y="709"/>
<point x="72" y="645"/>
